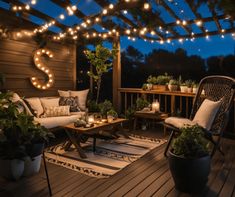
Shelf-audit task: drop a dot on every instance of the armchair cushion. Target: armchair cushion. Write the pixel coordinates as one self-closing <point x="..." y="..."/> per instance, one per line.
<point x="206" y="113"/>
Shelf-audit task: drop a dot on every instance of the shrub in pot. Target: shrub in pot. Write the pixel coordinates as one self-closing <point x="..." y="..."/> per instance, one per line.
<point x="189" y="160"/>
<point x="105" y="107"/>
<point x="34" y="138"/>
<point x="18" y="134"/>
<point x="162" y="81"/>
<point x="112" y="115"/>
<point x="173" y="85"/>
<point x="183" y="87"/>
<point x="189" y="84"/>
<point x="141" y="103"/>
<point x="150" y="82"/>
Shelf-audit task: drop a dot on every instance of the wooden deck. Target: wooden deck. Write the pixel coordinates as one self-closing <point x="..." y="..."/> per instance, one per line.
<point x="148" y="176"/>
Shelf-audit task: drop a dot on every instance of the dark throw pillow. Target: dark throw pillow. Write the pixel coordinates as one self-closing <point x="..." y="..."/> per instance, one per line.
<point x="71" y="101"/>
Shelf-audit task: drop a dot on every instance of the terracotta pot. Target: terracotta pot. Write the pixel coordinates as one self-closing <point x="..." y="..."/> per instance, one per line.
<point x="190" y="90"/>
<point x="173" y="87"/>
<point x="160" y="87"/>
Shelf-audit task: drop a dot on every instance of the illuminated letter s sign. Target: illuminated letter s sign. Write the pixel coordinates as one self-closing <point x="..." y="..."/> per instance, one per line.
<point x="41" y="66"/>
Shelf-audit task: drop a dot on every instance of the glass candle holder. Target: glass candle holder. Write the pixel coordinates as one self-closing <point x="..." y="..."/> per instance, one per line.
<point x="91" y="119"/>
<point x="156" y="106"/>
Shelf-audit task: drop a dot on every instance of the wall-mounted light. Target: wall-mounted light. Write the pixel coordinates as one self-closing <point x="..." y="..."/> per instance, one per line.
<point x="41" y="66"/>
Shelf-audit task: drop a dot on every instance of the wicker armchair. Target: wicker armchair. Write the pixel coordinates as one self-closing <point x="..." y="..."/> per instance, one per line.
<point x="214" y="88"/>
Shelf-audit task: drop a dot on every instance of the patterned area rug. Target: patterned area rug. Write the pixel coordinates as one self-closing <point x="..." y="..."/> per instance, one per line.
<point x="110" y="157"/>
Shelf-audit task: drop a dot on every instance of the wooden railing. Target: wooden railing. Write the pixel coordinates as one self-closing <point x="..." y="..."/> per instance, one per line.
<point x="172" y="102"/>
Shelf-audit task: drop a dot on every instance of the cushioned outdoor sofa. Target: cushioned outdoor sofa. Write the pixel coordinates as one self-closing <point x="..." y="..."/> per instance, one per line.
<point x="53" y="112"/>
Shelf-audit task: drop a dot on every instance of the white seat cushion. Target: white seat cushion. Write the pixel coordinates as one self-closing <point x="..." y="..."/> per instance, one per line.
<point x="179" y="122"/>
<point x="52" y="122"/>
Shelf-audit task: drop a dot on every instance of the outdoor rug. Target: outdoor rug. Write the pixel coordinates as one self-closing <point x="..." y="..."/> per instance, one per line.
<point x="110" y="157"/>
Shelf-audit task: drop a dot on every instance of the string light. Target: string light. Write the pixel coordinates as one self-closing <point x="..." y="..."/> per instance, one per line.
<point x="146" y="6"/>
<point x="199" y="23"/>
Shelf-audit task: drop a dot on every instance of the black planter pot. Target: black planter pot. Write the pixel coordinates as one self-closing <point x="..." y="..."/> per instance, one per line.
<point x="190" y="175"/>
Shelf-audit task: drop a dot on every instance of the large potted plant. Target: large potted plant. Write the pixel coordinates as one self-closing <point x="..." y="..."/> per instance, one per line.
<point x="189" y="159"/>
<point x="35" y="136"/>
<point x="19" y="133"/>
<point x="100" y="59"/>
<point x="162" y="81"/>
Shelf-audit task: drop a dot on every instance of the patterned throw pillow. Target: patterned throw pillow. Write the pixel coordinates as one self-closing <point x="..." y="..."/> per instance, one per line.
<point x="56" y="111"/>
<point x="71" y="101"/>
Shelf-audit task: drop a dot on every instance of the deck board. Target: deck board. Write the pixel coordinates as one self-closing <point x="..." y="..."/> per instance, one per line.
<point x="148" y="176"/>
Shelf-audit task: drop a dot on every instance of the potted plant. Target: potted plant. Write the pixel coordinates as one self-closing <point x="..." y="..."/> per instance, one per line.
<point x="34" y="138"/>
<point x="141" y="103"/>
<point x="183" y="87"/>
<point x="150" y="82"/>
<point x="189" y="159"/>
<point x="129" y="115"/>
<point x="195" y="87"/>
<point x="161" y="82"/>
<point x="173" y="85"/>
<point x="189" y="84"/>
<point x="18" y="135"/>
<point x="100" y="59"/>
<point x="105" y="107"/>
<point x="112" y="115"/>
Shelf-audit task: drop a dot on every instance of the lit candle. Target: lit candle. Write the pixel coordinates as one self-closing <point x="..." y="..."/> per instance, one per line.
<point x="155" y="106"/>
<point x="91" y="119"/>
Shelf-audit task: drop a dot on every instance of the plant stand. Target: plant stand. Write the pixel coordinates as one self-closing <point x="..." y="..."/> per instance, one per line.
<point x="47" y="176"/>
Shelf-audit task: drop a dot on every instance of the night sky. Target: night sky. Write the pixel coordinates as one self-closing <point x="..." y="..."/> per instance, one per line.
<point x="214" y="46"/>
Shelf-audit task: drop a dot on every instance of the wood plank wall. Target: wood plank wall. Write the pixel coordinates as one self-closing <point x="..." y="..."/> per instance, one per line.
<point x="16" y="62"/>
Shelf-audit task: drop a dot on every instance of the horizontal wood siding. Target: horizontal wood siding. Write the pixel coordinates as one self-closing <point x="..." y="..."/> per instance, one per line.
<point x="16" y="62"/>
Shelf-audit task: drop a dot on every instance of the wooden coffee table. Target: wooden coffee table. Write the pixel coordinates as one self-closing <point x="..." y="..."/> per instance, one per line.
<point x="158" y="117"/>
<point x="75" y="133"/>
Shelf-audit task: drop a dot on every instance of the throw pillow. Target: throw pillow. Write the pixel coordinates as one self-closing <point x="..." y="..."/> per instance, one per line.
<point x="57" y="111"/>
<point x="63" y="93"/>
<point x="49" y="102"/>
<point x="71" y="101"/>
<point x="206" y="113"/>
<point x="81" y="97"/>
<point x="16" y="98"/>
<point x="35" y="105"/>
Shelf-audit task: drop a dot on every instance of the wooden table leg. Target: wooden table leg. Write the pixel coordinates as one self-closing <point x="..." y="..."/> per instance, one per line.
<point x="76" y="142"/>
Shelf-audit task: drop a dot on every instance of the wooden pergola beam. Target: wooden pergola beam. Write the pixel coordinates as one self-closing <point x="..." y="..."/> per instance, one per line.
<point x="172" y="13"/>
<point x="37" y="13"/>
<point x="199" y="18"/>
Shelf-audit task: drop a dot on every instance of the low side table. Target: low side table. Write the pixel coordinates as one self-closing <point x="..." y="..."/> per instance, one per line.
<point x="157" y="116"/>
